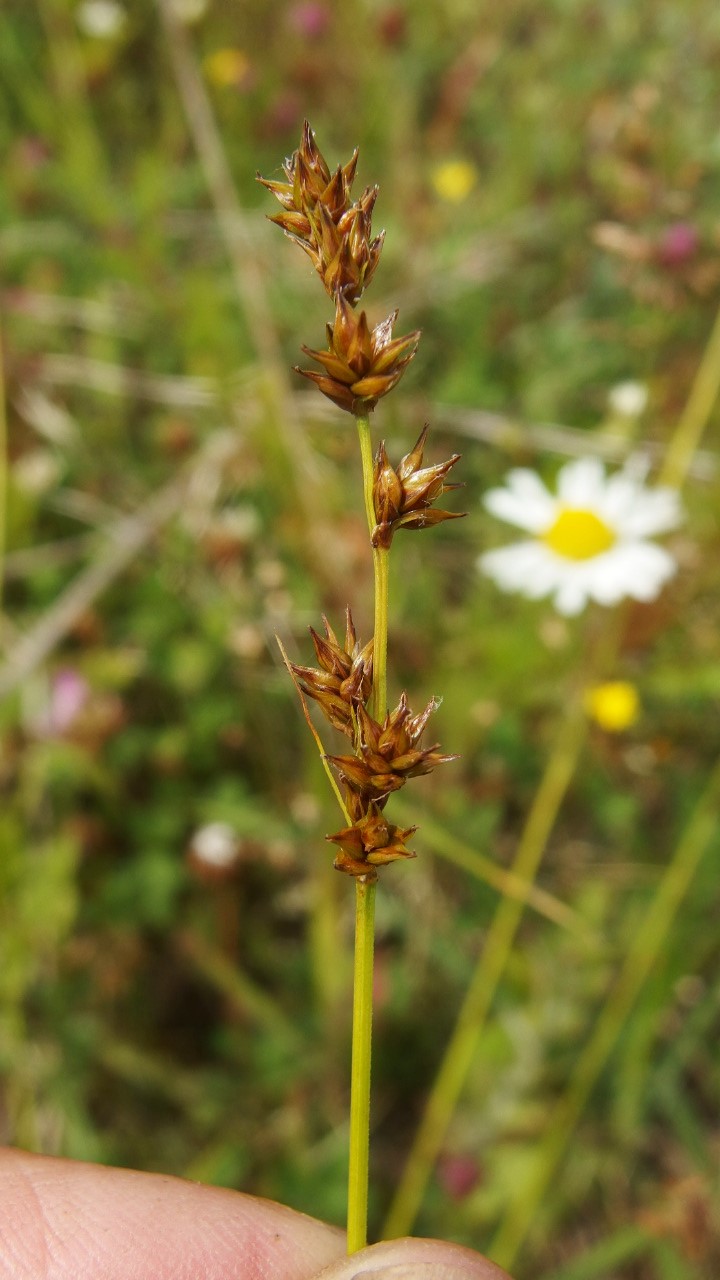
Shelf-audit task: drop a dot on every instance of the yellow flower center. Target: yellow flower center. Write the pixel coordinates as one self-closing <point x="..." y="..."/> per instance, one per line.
<point x="579" y="535"/>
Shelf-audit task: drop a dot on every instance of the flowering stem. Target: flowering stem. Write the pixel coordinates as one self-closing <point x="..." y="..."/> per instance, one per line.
<point x="358" y="1173"/>
<point x="381" y="562"/>
<point x="361" y="1053"/>
<point x="363" y="426"/>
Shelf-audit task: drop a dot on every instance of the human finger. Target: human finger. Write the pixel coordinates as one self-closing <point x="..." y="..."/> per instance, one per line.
<point x="413" y="1260"/>
<point x="66" y="1220"/>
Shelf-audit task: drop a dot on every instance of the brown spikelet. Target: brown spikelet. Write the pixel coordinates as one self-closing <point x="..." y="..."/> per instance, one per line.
<point x="320" y="215"/>
<point x="372" y="841"/>
<point x="388" y="754"/>
<point x="360" y="364"/>
<point x="403" y="498"/>
<point x="344" y="678"/>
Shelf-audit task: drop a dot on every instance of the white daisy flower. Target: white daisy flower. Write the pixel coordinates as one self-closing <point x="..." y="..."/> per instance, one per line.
<point x="589" y="540"/>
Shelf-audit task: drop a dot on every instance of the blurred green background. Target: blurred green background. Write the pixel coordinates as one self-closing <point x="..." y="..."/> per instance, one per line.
<point x="550" y="183"/>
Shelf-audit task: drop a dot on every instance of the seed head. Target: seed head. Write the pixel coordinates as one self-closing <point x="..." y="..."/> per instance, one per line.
<point x="309" y="179"/>
<point x="344" y="679"/>
<point x="404" y="498"/>
<point x="371" y="842"/>
<point x="387" y="753"/>
<point x="320" y="216"/>
<point x="361" y="364"/>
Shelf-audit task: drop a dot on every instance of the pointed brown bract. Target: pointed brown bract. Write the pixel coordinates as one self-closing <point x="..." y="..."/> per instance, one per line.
<point x="320" y="216"/>
<point x="344" y="679"/>
<point x="403" y="498"/>
<point x="360" y="364"/>
<point x="372" y="841"/>
<point x="309" y="179"/>
<point x="387" y="754"/>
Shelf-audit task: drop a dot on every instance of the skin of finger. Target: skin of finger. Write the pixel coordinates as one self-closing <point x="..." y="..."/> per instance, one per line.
<point x="66" y="1220"/>
<point x="413" y="1260"/>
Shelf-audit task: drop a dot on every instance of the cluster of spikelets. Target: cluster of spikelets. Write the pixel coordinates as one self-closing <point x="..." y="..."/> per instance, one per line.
<point x="384" y="755"/>
<point x="360" y="365"/>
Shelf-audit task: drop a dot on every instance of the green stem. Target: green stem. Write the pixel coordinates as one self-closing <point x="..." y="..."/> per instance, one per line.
<point x="358" y="1171"/>
<point x="363" y="426"/>
<point x="694" y="418"/>
<point x="4" y="464"/>
<point x="381" y="565"/>
<point x="463" y="1043"/>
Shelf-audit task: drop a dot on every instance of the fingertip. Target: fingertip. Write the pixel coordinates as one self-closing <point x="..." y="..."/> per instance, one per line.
<point x="411" y="1259"/>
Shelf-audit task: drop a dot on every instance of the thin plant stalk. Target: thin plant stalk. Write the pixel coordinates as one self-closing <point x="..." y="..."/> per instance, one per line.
<point x="461" y="1049"/>
<point x="640" y="961"/>
<point x="381" y="562"/>
<point x="381" y="565"/>
<point x="358" y="1167"/>
<point x="3" y="472"/>
<point x="694" y="418"/>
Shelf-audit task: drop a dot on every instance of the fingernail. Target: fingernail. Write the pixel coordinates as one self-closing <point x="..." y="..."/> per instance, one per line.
<point x="410" y="1271"/>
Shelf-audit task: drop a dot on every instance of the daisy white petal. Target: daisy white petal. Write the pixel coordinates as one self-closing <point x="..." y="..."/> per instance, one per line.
<point x="570" y="598"/>
<point x="512" y="567"/>
<point x="525" y="502"/>
<point x="581" y="483"/>
<point x="619" y="501"/>
<point x="656" y="512"/>
<point x="647" y="568"/>
<point x="608" y="578"/>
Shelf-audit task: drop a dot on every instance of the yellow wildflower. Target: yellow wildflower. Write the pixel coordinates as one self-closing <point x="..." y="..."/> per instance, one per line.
<point x="227" y="68"/>
<point x="614" y="705"/>
<point x="453" y="180"/>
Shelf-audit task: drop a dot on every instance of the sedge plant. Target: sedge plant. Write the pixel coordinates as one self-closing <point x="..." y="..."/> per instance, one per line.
<point x="360" y="365"/>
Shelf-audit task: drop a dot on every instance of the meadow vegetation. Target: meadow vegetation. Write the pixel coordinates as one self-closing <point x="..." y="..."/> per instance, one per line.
<point x="175" y="949"/>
